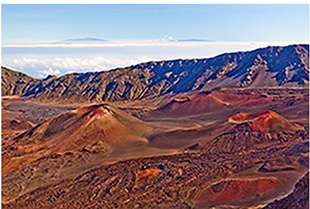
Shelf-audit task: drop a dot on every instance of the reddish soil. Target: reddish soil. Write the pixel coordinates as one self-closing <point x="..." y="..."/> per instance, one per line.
<point x="146" y="176"/>
<point x="203" y="102"/>
<point x="264" y="121"/>
<point x="97" y="128"/>
<point x="91" y="156"/>
<point x="237" y="191"/>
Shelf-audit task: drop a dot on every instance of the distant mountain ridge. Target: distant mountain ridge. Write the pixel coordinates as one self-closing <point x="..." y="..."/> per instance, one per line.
<point x="272" y="66"/>
<point x="81" y="40"/>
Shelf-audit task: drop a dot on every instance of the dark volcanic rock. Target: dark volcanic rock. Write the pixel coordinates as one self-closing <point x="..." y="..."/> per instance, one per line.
<point x="299" y="198"/>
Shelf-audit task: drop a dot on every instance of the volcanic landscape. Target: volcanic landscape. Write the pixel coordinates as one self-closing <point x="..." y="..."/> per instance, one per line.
<point x="229" y="132"/>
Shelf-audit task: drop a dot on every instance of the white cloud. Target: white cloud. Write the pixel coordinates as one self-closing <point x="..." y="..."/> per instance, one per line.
<point x="42" y="61"/>
<point x="49" y="71"/>
<point x="62" y="65"/>
<point x="168" y="39"/>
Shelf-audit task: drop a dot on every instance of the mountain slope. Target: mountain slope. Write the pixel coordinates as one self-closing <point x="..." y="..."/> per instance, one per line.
<point x="256" y="130"/>
<point x="271" y="66"/>
<point x="209" y="101"/>
<point x="15" y="83"/>
<point x="264" y="121"/>
<point x="96" y="128"/>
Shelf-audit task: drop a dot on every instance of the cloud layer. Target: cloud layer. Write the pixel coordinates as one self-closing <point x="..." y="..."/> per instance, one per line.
<point x="62" y="65"/>
<point x="40" y="61"/>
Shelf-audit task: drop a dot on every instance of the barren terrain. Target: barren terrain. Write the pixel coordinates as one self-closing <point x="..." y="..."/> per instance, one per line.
<point x="239" y="146"/>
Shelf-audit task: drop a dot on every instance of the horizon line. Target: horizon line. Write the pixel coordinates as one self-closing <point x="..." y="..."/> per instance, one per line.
<point x="145" y="43"/>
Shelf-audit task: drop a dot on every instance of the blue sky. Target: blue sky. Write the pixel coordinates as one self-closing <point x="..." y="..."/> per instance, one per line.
<point x="33" y="35"/>
<point x="32" y="23"/>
